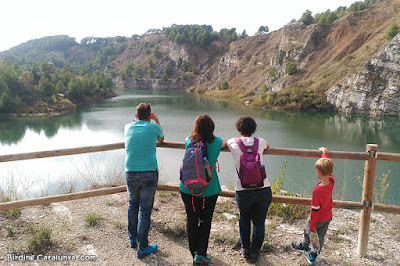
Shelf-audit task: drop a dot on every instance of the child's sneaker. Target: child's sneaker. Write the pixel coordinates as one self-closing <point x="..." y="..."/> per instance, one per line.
<point x="310" y="259"/>
<point x="203" y="260"/>
<point x="150" y="249"/>
<point x="299" y="246"/>
<point x="133" y="243"/>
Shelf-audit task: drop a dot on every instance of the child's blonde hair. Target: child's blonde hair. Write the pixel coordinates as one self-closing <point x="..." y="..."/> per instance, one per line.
<point x="325" y="166"/>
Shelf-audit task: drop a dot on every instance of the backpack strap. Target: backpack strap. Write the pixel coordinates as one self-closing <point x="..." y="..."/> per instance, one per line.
<point x="202" y="192"/>
<point x="216" y="164"/>
<point x="240" y="144"/>
<point x="204" y="147"/>
<point x="255" y="145"/>
<point x="244" y="148"/>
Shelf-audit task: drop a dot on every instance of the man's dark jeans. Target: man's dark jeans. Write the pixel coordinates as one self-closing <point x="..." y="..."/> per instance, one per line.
<point x="142" y="188"/>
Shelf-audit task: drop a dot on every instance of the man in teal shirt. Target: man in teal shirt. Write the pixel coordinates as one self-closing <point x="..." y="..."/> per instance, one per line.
<point x="141" y="138"/>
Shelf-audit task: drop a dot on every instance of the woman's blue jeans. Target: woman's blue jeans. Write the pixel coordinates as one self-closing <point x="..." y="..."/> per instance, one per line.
<point x="253" y="207"/>
<point x="141" y="188"/>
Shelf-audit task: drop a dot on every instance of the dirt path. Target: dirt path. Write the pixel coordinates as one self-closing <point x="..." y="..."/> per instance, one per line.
<point x="107" y="242"/>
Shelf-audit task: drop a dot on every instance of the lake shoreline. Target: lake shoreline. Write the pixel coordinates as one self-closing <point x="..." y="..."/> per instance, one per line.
<point x="68" y="110"/>
<point x="102" y="123"/>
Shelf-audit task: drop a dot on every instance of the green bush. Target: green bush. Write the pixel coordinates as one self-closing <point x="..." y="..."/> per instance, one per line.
<point x="92" y="219"/>
<point x="225" y="86"/>
<point x="10" y="231"/>
<point x="393" y="30"/>
<point x="291" y="68"/>
<point x="272" y="73"/>
<point x="12" y="213"/>
<point x="40" y="239"/>
<point x="287" y="211"/>
<point x="298" y="99"/>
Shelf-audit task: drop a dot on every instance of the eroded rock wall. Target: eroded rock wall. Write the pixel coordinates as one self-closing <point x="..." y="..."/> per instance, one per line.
<point x="375" y="90"/>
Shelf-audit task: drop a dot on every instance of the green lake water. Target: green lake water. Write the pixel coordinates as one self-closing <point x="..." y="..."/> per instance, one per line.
<point x="103" y="123"/>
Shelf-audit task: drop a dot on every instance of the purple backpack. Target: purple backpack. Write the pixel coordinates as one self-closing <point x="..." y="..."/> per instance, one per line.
<point x="251" y="172"/>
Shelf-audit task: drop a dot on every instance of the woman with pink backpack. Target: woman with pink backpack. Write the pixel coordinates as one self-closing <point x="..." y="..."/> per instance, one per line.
<point x="253" y="192"/>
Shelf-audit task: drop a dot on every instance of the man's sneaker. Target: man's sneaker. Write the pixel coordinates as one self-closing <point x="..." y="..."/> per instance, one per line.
<point x="198" y="259"/>
<point x="310" y="259"/>
<point x="150" y="249"/>
<point x="133" y="243"/>
<point x="299" y="246"/>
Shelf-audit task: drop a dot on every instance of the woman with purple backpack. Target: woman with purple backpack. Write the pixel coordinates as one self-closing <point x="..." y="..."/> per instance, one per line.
<point x="200" y="203"/>
<point x="253" y="192"/>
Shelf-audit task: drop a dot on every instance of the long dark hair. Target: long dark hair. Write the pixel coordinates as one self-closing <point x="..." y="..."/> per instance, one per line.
<point x="203" y="129"/>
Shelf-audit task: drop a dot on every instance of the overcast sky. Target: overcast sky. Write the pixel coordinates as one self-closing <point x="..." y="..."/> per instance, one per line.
<point x="23" y="20"/>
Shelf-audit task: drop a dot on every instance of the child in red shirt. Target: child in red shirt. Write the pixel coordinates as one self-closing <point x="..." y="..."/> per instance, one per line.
<point x="321" y="209"/>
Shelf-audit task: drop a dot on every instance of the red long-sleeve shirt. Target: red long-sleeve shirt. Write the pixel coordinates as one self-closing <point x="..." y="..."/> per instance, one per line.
<point x="321" y="202"/>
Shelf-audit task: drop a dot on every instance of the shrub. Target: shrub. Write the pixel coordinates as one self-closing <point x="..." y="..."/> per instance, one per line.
<point x="379" y="193"/>
<point x="272" y="73"/>
<point x="393" y="30"/>
<point x="40" y="239"/>
<point x="175" y="229"/>
<point x="92" y="219"/>
<point x="299" y="99"/>
<point x="10" y="231"/>
<point x="291" y="68"/>
<point x="263" y="91"/>
<point x="227" y="239"/>
<point x="288" y="211"/>
<point x="225" y="86"/>
<point x="12" y="213"/>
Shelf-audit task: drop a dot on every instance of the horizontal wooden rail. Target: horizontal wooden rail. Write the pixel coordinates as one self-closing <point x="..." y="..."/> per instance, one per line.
<point x="386" y="156"/>
<point x="62" y="152"/>
<point x="386" y="208"/>
<point x="317" y="153"/>
<point x="181" y="145"/>
<point x="62" y="197"/>
<point x="224" y="193"/>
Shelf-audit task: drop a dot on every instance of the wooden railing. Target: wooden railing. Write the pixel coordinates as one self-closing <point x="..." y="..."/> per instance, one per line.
<point x="366" y="205"/>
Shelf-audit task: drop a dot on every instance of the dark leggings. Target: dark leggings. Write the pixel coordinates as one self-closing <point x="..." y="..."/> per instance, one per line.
<point x="198" y="223"/>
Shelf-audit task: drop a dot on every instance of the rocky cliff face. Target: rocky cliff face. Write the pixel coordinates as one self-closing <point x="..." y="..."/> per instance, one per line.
<point x="375" y="89"/>
<point x="247" y="62"/>
<point x="350" y="59"/>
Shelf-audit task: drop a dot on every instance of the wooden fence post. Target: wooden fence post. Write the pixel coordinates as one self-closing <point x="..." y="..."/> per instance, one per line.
<point x="367" y="194"/>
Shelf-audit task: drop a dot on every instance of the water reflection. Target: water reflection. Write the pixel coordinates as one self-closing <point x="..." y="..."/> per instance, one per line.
<point x="103" y="123"/>
<point x="12" y="130"/>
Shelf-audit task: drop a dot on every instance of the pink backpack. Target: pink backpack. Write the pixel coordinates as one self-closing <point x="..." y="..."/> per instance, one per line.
<point x="251" y="172"/>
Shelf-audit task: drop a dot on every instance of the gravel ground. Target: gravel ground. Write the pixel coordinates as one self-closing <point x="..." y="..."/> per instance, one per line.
<point x="106" y="243"/>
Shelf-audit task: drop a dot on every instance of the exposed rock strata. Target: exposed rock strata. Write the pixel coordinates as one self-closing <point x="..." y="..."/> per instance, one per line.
<point x="375" y="89"/>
